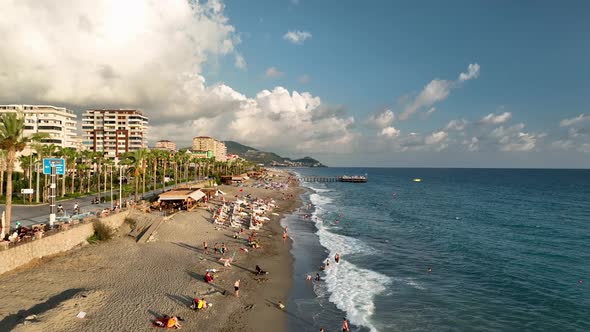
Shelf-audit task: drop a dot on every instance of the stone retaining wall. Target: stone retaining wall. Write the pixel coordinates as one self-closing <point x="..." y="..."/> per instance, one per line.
<point x="59" y="242"/>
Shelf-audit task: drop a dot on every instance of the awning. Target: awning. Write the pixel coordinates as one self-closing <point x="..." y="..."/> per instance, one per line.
<point x="197" y="195"/>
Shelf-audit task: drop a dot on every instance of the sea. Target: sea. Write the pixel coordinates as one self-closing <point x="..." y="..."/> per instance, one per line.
<point x="507" y="250"/>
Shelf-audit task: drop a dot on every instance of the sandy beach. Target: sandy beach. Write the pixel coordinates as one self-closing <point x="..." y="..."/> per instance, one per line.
<point x="123" y="285"/>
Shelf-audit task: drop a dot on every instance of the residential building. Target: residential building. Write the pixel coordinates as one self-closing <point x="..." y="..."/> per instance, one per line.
<point x="57" y="122"/>
<point x="206" y="143"/>
<point x="114" y="131"/>
<point x="165" y="145"/>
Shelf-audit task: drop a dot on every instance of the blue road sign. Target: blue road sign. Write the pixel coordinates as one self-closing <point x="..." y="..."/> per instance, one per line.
<point x="59" y="164"/>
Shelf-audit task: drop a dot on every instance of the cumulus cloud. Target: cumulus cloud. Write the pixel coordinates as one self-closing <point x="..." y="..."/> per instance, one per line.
<point x="382" y="119"/>
<point x="436" y="91"/>
<point x="575" y="120"/>
<point x="273" y="72"/>
<point x="514" y="139"/>
<point x="436" y="137"/>
<point x="496" y="119"/>
<point x="389" y="132"/>
<point x="456" y="124"/>
<point x="296" y="36"/>
<point x="472" y="72"/>
<point x="110" y="53"/>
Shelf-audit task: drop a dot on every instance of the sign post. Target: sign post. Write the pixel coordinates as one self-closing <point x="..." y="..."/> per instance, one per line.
<point x="53" y="167"/>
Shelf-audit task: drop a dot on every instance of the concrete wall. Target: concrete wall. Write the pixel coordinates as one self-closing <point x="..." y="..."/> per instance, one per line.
<point x="53" y="244"/>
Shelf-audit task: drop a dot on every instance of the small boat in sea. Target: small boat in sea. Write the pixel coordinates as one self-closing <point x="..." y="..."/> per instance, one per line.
<point x="417" y="180"/>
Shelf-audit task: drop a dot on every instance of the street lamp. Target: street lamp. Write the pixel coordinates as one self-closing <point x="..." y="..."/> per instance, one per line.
<point x="120" y="187"/>
<point x="111" y="166"/>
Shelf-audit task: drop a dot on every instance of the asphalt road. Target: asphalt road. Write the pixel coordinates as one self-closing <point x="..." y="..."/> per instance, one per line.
<point x="34" y="214"/>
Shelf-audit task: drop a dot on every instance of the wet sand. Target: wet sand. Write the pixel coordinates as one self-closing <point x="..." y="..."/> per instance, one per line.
<point x="123" y="286"/>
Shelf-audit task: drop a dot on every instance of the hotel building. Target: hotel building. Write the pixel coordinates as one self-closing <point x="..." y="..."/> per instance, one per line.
<point x="165" y="145"/>
<point x="57" y="122"/>
<point x="114" y="131"/>
<point x="206" y="143"/>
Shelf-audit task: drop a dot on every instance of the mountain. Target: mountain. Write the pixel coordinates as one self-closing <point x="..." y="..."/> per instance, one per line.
<point x="268" y="158"/>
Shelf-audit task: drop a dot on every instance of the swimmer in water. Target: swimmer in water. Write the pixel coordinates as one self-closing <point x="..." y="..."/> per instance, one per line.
<point x="429" y="269"/>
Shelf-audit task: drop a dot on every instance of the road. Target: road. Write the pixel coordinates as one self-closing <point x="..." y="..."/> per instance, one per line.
<point x="35" y="214"/>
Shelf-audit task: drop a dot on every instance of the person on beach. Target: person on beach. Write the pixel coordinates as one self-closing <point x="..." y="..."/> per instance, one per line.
<point x="327" y="263"/>
<point x="215" y="248"/>
<point x="208" y="278"/>
<point x="284" y="237"/>
<point x="205" y="247"/>
<point x="223" y="248"/>
<point x="321" y="329"/>
<point x="173" y="323"/>
<point x="345" y="327"/>
<point x="237" y="288"/>
<point x="308" y="277"/>
<point x="317" y="277"/>
<point x="281" y="305"/>
<point x="337" y="258"/>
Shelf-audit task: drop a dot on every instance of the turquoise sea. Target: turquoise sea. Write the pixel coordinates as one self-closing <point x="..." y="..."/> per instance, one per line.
<point x="509" y="251"/>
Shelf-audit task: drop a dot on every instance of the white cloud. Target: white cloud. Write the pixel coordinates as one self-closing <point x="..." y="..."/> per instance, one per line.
<point x="433" y="92"/>
<point x="273" y="72"/>
<point x="296" y="36"/>
<point x="239" y="61"/>
<point x="381" y="120"/>
<point x="304" y="79"/>
<point x="110" y="53"/>
<point x="514" y="139"/>
<point x="456" y="124"/>
<point x="575" y="120"/>
<point x="436" y="91"/>
<point x="389" y="132"/>
<point x="563" y="144"/>
<point x="436" y="137"/>
<point x="472" y="145"/>
<point x="496" y="119"/>
<point x="472" y="72"/>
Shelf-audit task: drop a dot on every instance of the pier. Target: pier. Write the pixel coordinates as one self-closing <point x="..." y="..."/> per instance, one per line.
<point x="343" y="178"/>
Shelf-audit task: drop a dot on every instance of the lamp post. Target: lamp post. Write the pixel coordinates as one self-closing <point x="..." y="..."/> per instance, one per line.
<point x="120" y="187"/>
<point x="111" y="166"/>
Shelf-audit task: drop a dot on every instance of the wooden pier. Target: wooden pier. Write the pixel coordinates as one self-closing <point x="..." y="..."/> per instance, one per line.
<point x="343" y="178"/>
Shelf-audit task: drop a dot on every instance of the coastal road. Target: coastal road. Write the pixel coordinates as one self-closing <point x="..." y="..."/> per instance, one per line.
<point x="34" y="214"/>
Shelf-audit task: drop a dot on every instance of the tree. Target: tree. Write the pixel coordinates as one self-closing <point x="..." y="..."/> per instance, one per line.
<point x="12" y="141"/>
<point x="69" y="155"/>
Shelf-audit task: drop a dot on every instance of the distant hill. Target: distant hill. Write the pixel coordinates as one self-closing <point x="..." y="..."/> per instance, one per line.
<point x="268" y="158"/>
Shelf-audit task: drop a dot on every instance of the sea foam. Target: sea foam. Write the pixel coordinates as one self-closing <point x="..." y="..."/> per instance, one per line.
<point x="351" y="288"/>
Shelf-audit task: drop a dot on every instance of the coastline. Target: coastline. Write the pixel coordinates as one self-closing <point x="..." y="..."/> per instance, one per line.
<point x="122" y="285"/>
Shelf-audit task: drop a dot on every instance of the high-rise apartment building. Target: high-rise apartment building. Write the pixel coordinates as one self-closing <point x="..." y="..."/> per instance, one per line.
<point x="165" y="145"/>
<point x="206" y="143"/>
<point x="57" y="122"/>
<point x="114" y="131"/>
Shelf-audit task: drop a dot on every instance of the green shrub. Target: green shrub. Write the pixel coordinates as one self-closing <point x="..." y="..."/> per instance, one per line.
<point x="102" y="232"/>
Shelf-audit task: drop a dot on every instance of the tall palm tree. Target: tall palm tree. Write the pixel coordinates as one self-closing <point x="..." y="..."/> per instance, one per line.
<point x="12" y="141"/>
<point x="69" y="155"/>
<point x="2" y="170"/>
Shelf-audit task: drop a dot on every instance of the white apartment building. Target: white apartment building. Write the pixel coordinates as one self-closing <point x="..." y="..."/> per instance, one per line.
<point x="58" y="122"/>
<point x="114" y="131"/>
<point x="206" y="143"/>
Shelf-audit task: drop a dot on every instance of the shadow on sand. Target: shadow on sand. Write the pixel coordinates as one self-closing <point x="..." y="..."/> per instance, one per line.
<point x="11" y="321"/>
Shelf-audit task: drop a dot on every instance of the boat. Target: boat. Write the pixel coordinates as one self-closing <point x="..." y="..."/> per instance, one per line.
<point x="417" y="180"/>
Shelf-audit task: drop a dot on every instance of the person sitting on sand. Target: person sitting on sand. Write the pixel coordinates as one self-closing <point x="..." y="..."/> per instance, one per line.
<point x="208" y="278"/>
<point x="173" y="323"/>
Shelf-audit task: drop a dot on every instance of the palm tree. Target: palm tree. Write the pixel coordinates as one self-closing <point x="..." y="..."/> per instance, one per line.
<point x="2" y="169"/>
<point x="12" y="141"/>
<point x="69" y="155"/>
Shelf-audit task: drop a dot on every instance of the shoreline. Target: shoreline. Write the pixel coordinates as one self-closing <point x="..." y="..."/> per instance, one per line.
<point x="122" y="285"/>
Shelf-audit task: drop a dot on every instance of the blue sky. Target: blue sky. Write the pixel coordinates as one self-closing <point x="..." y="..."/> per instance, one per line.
<point x="352" y="83"/>
<point x="364" y="56"/>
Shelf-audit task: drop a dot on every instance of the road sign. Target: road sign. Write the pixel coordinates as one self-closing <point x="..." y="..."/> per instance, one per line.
<point x="27" y="191"/>
<point x="59" y="164"/>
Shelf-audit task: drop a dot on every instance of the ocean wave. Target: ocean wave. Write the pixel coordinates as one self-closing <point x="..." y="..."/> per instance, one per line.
<point x="319" y="200"/>
<point x="351" y="288"/>
<point x="319" y="190"/>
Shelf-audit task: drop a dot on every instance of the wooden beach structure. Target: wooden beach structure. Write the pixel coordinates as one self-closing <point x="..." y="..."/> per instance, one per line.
<point x="341" y="178"/>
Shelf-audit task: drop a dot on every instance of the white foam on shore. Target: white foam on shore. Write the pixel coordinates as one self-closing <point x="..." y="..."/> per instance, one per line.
<point x="351" y="288"/>
<point x="319" y="190"/>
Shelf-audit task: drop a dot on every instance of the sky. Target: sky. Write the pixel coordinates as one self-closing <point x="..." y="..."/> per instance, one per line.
<point x="351" y="83"/>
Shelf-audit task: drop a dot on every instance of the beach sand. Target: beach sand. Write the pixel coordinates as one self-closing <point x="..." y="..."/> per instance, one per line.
<point x="123" y="286"/>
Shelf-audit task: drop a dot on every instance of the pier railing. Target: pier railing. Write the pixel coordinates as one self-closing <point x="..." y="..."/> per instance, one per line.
<point x="343" y="178"/>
